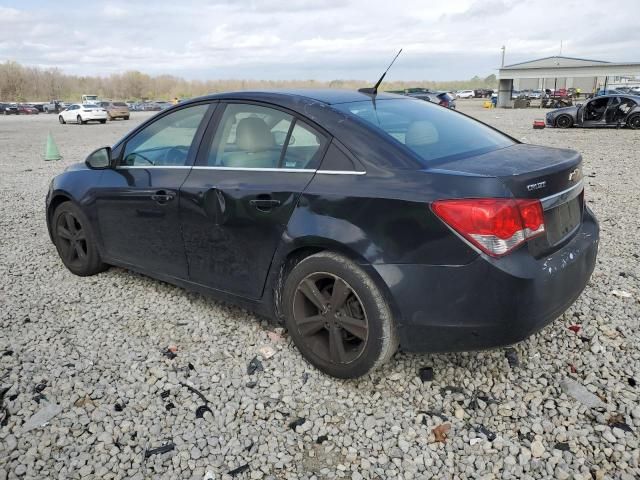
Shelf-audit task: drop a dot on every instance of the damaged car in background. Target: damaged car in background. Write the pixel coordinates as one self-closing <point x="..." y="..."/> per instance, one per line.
<point x="602" y="111"/>
<point x="364" y="221"/>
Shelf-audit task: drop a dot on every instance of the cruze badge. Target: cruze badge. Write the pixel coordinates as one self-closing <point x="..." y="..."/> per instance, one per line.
<point x="575" y="173"/>
<point x="536" y="186"/>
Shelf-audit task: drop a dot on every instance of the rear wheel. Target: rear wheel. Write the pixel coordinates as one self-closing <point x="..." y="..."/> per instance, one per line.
<point x="634" y="122"/>
<point x="74" y="240"/>
<point x="337" y="316"/>
<point x="564" y="121"/>
<point x="61" y="120"/>
<point x="79" y="120"/>
<point x="103" y="121"/>
<point x="126" y="118"/>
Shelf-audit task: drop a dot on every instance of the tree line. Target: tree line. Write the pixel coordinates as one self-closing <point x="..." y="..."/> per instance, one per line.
<point x="19" y="83"/>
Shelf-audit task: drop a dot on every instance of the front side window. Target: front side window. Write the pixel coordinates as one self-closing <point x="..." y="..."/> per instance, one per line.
<point x="166" y="141"/>
<point x="433" y="133"/>
<point x="253" y="136"/>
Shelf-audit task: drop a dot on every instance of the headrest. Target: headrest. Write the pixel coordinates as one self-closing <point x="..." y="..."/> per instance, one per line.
<point x="420" y="133"/>
<point x="253" y="135"/>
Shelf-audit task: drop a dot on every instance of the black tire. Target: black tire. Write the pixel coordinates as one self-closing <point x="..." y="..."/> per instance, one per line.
<point x="345" y="342"/>
<point x="61" y="120"/>
<point x="75" y="241"/>
<point x="79" y="120"/>
<point x="634" y="122"/>
<point x="564" y="121"/>
<point x="103" y="121"/>
<point x="126" y="118"/>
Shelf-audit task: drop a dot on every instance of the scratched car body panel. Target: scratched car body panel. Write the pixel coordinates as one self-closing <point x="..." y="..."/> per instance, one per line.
<point x="377" y="181"/>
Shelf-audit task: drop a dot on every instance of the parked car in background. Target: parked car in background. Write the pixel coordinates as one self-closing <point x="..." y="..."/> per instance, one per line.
<point x="465" y="94"/>
<point x="90" y="99"/>
<point x="9" y="109"/>
<point x="25" y="109"/>
<point x="602" y="111"/>
<point x="608" y="91"/>
<point x="164" y="105"/>
<point x="116" y="110"/>
<point x="81" y="114"/>
<point x="362" y="222"/>
<point x="443" y="99"/>
<point x="54" y="106"/>
<point x="37" y="106"/>
<point x="534" y="94"/>
<point x="482" y="93"/>
<point x="150" y="107"/>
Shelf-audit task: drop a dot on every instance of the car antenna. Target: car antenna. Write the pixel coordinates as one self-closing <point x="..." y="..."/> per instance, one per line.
<point x="374" y="90"/>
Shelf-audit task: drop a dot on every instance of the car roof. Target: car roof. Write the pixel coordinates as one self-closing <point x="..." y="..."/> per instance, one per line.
<point x="329" y="96"/>
<point x="621" y="94"/>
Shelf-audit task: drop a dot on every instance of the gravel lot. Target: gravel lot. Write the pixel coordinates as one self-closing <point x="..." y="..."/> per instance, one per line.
<point x="94" y="346"/>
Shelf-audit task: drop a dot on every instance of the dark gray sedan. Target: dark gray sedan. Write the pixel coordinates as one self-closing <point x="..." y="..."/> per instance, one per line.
<point x="604" y="111"/>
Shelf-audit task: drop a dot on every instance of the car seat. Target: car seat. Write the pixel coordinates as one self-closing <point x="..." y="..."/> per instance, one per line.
<point x="255" y="144"/>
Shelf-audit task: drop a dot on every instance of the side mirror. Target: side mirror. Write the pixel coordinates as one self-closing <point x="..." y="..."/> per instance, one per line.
<point x="99" y="159"/>
<point x="578" y="105"/>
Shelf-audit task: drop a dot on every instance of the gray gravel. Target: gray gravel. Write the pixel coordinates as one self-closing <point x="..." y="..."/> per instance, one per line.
<point x="94" y="343"/>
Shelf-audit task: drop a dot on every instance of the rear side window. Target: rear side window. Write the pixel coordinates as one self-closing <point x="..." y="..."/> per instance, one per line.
<point x="432" y="132"/>
<point x="253" y="136"/>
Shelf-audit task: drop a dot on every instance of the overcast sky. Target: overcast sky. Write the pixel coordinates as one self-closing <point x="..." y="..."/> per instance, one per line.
<point x="311" y="39"/>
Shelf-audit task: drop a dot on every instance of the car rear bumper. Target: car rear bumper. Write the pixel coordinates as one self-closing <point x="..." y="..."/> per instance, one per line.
<point x="489" y="303"/>
<point x="94" y="116"/>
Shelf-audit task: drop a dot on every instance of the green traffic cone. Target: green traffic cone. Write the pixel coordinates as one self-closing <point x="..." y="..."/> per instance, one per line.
<point x="51" y="151"/>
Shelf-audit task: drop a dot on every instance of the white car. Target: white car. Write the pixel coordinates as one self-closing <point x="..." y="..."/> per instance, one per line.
<point x="82" y="114"/>
<point x="465" y="94"/>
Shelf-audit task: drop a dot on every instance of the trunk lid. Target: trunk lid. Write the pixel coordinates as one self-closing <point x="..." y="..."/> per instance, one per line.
<point x="552" y="175"/>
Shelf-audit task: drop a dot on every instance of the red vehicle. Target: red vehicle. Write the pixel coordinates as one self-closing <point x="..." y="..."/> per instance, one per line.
<point x="27" y="110"/>
<point x="560" y="92"/>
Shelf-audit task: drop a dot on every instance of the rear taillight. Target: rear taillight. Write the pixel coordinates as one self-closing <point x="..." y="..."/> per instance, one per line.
<point x="494" y="225"/>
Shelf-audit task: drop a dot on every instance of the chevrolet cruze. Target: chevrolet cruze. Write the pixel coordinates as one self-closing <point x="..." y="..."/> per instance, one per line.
<point x="364" y="223"/>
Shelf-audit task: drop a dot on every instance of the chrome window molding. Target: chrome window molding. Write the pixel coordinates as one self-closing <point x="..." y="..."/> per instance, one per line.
<point x="242" y="169"/>
<point x="562" y="197"/>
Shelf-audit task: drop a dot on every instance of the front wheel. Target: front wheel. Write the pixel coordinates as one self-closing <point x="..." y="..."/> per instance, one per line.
<point x="337" y="316"/>
<point x="61" y="120"/>
<point x="74" y="240"/>
<point x="564" y="121"/>
<point x="634" y="122"/>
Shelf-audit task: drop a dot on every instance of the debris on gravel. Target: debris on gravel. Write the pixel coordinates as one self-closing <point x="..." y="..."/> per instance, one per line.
<point x="99" y="342"/>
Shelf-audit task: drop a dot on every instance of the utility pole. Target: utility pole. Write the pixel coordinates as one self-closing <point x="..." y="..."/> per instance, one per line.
<point x="503" y="49"/>
<point x="560" y="47"/>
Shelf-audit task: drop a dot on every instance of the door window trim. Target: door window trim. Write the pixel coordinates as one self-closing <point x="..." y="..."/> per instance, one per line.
<point x="241" y="169"/>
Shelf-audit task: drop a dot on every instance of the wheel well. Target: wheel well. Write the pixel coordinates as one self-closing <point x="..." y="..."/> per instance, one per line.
<point x="296" y="256"/>
<point x="55" y="203"/>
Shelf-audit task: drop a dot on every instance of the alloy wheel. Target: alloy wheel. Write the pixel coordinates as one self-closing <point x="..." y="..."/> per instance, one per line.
<point x="330" y="318"/>
<point x="72" y="240"/>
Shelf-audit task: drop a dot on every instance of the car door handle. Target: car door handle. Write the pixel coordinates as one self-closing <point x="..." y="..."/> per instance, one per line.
<point x="163" y="196"/>
<point x="264" y="204"/>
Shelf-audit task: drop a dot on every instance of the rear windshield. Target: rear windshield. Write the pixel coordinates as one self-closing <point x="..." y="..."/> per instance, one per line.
<point x="431" y="131"/>
<point x="119" y="104"/>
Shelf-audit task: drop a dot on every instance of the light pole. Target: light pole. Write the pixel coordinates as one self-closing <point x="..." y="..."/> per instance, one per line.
<point x="503" y="48"/>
